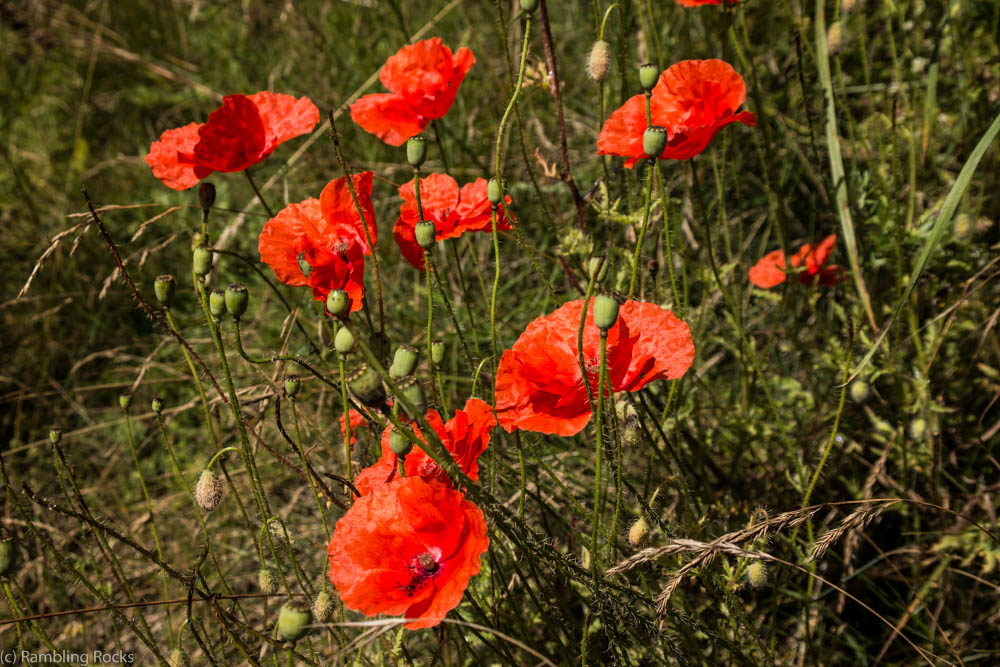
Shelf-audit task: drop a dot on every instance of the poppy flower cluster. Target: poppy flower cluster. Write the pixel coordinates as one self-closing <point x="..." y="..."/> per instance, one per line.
<point x="410" y="544"/>
<point x="424" y="78"/>
<point x="540" y="385"/>
<point x="453" y="211"/>
<point x="770" y="270"/>
<point x="692" y="100"/>
<point x="239" y="134"/>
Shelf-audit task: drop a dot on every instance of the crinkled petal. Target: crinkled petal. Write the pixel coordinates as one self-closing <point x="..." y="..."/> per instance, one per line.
<point x="340" y="213"/>
<point x="622" y="131"/>
<point x="769" y="271"/>
<point x="284" y="116"/>
<point x="164" y="161"/>
<point x="284" y="238"/>
<point x="233" y="138"/>
<point x="388" y="116"/>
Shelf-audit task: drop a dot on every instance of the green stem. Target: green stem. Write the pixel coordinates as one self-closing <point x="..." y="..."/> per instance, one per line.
<point x="599" y="447"/>
<point x="349" y="473"/>
<point x="305" y="466"/>
<point x="246" y="172"/>
<point x="668" y="250"/>
<point x="642" y="230"/>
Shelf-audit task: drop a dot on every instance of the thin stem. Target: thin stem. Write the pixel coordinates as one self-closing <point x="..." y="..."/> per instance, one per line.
<point x="305" y="465"/>
<point x="642" y="230"/>
<point x="347" y="409"/>
<point x="599" y="447"/>
<point x="668" y="251"/>
<point x="246" y="172"/>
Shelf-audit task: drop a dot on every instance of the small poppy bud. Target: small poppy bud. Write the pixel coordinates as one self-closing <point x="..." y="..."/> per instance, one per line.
<point x="860" y="391"/>
<point x="648" y="74"/>
<point x="426" y="234"/>
<point x="164" y="289"/>
<point x="494" y="192"/>
<point x="8" y="555"/>
<point x="918" y="428"/>
<point x="55" y="435"/>
<point x="338" y="302"/>
<point x="125" y="401"/>
<point x="399" y="443"/>
<point x="304" y="266"/>
<point x="605" y="311"/>
<point x="157" y="404"/>
<point x="632" y="432"/>
<point x="599" y="61"/>
<point x="202" y="259"/>
<point x="654" y="141"/>
<point x="266" y="582"/>
<point x="757" y="574"/>
<point x="592" y="267"/>
<point x="412" y="392"/>
<point x="237" y="298"/>
<point x="846" y="6"/>
<point x="638" y="532"/>
<point x="178" y="658"/>
<point x="835" y="38"/>
<point x="208" y="490"/>
<point x="206" y="195"/>
<point x="416" y="151"/>
<point x="404" y="361"/>
<point x="365" y="383"/>
<point x="344" y="342"/>
<point x="217" y="303"/>
<point x="322" y="607"/>
<point x="294" y="619"/>
<point x="528" y="6"/>
<point x="437" y="352"/>
<point x="292" y="384"/>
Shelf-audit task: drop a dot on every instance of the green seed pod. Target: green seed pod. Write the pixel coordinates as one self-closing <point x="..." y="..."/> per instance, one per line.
<point x="237" y="298"/>
<point x="304" y="266"/>
<point x="217" y="303"/>
<point x="157" y="404"/>
<point x="404" y="361"/>
<point x="757" y="574"/>
<point x="266" y="582"/>
<point x="178" y="658"/>
<point x="437" y="352"/>
<point x="55" y="435"/>
<point x="494" y="192"/>
<point x="599" y="61"/>
<point x="416" y="151"/>
<point x="338" y="302"/>
<point x="322" y="607"/>
<point x="292" y="383"/>
<point x="638" y="532"/>
<point x="528" y="6"/>
<point x="294" y="619"/>
<point x="125" y="401"/>
<point x="366" y="385"/>
<point x="208" y="490"/>
<point x="605" y="311"/>
<point x="206" y="196"/>
<point x="860" y="390"/>
<point x="202" y="259"/>
<point x="654" y="141"/>
<point x="592" y="269"/>
<point x="8" y="557"/>
<point x="426" y="234"/>
<point x="399" y="443"/>
<point x="344" y="342"/>
<point x="412" y="392"/>
<point x="918" y="428"/>
<point x="648" y="74"/>
<point x="164" y="289"/>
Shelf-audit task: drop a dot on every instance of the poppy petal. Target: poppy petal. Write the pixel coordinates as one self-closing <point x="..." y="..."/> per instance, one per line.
<point x="622" y="131"/>
<point x="341" y="213"/>
<point x="284" y="116"/>
<point x="233" y="138"/>
<point x="284" y="238"/>
<point x="163" y="157"/>
<point x="769" y="271"/>
<point x="388" y="116"/>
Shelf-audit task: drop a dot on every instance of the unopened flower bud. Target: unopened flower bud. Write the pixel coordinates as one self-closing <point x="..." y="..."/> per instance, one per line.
<point x="648" y="74"/>
<point x="757" y="574"/>
<point x="338" y="302"/>
<point x="217" y="303"/>
<point x="426" y="234"/>
<point x="654" y="141"/>
<point x="437" y="352"/>
<point x="835" y="38"/>
<point x="638" y="532"/>
<point x="157" y="404"/>
<point x="494" y="192"/>
<point x="208" y="490"/>
<point x="294" y="619"/>
<point x="412" y="393"/>
<point x="846" y="6"/>
<point x="125" y="401"/>
<point x="599" y="61"/>
<point x="178" y="658"/>
<point x="597" y="268"/>
<point x="344" y="342"/>
<point x="416" y="151"/>
<point x="206" y="196"/>
<point x="237" y="298"/>
<point x="404" y="361"/>
<point x="365" y="383"/>
<point x="8" y="556"/>
<point x="164" y="289"/>
<point x="266" y="582"/>
<point x="322" y="607"/>
<point x="918" y="428"/>
<point x="528" y="6"/>
<point x="55" y="435"/>
<point x="631" y="430"/>
<point x="202" y="259"/>
<point x="399" y="443"/>
<point x="605" y="311"/>
<point x="292" y="384"/>
<point x="860" y="390"/>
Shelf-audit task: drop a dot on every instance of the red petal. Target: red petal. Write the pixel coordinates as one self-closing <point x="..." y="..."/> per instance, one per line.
<point x="233" y="138"/>
<point x="623" y="130"/>
<point x="284" y="117"/>
<point x="341" y="213"/>
<point x="284" y="237"/>
<point x="427" y="75"/>
<point x="389" y="117"/>
<point x="769" y="271"/>
<point x="163" y="157"/>
<point x="406" y="239"/>
<point x="662" y="347"/>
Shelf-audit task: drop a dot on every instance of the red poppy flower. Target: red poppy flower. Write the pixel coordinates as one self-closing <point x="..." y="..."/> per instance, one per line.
<point x="540" y="387"/>
<point x="465" y="436"/>
<point x="770" y="270"/>
<point x="357" y="421"/>
<point x="424" y="78"/>
<point x="238" y="135"/>
<point x="453" y="212"/>
<point x="321" y="242"/>
<point x="409" y="547"/>
<point x="693" y="100"/>
<point x="699" y="3"/>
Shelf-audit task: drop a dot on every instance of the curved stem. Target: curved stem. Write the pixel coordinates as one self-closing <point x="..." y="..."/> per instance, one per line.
<point x="246" y="172"/>
<point x="642" y="230"/>
<point x="599" y="447"/>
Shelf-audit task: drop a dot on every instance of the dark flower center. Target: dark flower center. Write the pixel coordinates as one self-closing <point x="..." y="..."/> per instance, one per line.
<point x="423" y="567"/>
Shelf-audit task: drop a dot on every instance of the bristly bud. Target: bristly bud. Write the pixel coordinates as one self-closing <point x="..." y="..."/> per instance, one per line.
<point x="412" y="392"/>
<point x="918" y="428"/>
<point x="8" y="556"/>
<point x="365" y="383"/>
<point x="266" y="582"/>
<point x="860" y="390"/>
<point x="294" y="619"/>
<point x="322" y="607"/>
<point x="206" y="196"/>
<point x="217" y="303"/>
<point x="437" y="352"/>
<point x="416" y="151"/>
<point x="599" y="61"/>
<point x="528" y="6"/>
<point x="125" y="401"/>
<point x="757" y="574"/>
<point x="344" y="341"/>
<point x="164" y="289"/>
<point x="338" y="302"/>
<point x="426" y="234"/>
<point x="55" y="435"/>
<point x="654" y="141"/>
<point x="208" y="490"/>
<point x="605" y="311"/>
<point x="157" y="404"/>
<point x="237" y="298"/>
<point x="638" y="532"/>
<point x="631" y="430"/>
<point x="592" y="270"/>
<point x="292" y="384"/>
<point x="399" y="443"/>
<point x="494" y="192"/>
<point x="835" y="38"/>
<point x="404" y="361"/>
<point x="202" y="259"/>
<point x="648" y="74"/>
<point x="178" y="658"/>
<point x="846" y="6"/>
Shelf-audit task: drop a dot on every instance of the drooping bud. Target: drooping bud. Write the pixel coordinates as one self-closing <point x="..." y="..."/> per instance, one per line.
<point x="292" y="384"/>
<point x="648" y="74"/>
<point x="399" y="443"/>
<point x="206" y="196"/>
<point x="599" y="61"/>
<point x="426" y="234"/>
<point x="638" y="532"/>
<point x="631" y="430"/>
<point x="344" y="342"/>
<point x="217" y="303"/>
<point x="598" y="274"/>
<point x="338" y="302"/>
<point x="202" y="260"/>
<point x="8" y="556"/>
<point x="528" y="6"/>
<point x="416" y="151"/>
<point x="55" y="436"/>
<point x="208" y="490"/>
<point x="294" y="619"/>
<point x="266" y="582"/>
<point x="322" y="607"/>
<point x="605" y="311"/>
<point x="157" y="404"/>
<point x="404" y="361"/>
<point x="437" y="352"/>
<point x="494" y="192"/>
<point x="125" y="401"/>
<point x="860" y="390"/>
<point x="654" y="141"/>
<point x="412" y="393"/>
<point x="237" y="298"/>
<point x="757" y="574"/>
<point x="365" y="383"/>
<point x="164" y="289"/>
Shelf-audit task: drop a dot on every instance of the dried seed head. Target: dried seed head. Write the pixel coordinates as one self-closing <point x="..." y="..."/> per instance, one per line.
<point x="266" y="582"/>
<point x="638" y="532"/>
<point x="178" y="658"/>
<point x="322" y="607"/>
<point x="294" y="619"/>
<point x="208" y="490"/>
<point x="757" y="574"/>
<point x="599" y="61"/>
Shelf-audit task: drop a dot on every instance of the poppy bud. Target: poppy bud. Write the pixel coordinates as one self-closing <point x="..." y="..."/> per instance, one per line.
<point x="304" y="266"/>
<point x="426" y="234"/>
<point x="7" y="557"/>
<point x="163" y="287"/>
<point x="206" y="195"/>
<point x="292" y="384"/>
<point x="860" y="391"/>
<point x="599" y="61"/>
<point x="638" y="532"/>
<point x="528" y="6"/>
<point x="157" y="404"/>
<point x="217" y="303"/>
<point x="846" y="6"/>
<point x="338" y="302"/>
<point x="605" y="311"/>
<point x="125" y="401"/>
<point x="266" y="582"/>
<point x="437" y="352"/>
<point x="412" y="392"/>
<point x="365" y="383"/>
<point x="648" y="74"/>
<point x="592" y="267"/>
<point x="55" y="435"/>
<point x="835" y="38"/>
<point x="654" y="141"/>
<point x="494" y="192"/>
<point x="208" y="490"/>
<point x="344" y="342"/>
<point x="399" y="443"/>
<point x="237" y="298"/>
<point x="756" y="574"/>
<point x="178" y="658"/>
<point x="293" y="620"/>
<point x="416" y="151"/>
<point x="918" y="428"/>
<point x="322" y="607"/>
<point x="202" y="259"/>
<point x="404" y="361"/>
